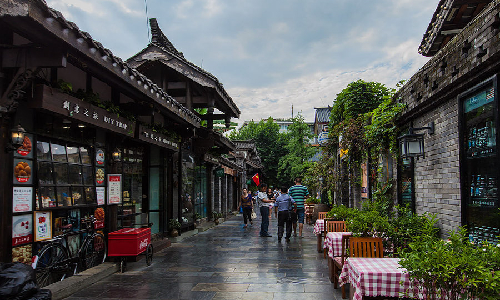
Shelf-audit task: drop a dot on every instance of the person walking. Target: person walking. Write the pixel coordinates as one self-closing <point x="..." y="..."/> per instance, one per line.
<point x="270" y="196"/>
<point x="299" y="193"/>
<point x="264" y="204"/>
<point x="284" y="207"/>
<point x="246" y="204"/>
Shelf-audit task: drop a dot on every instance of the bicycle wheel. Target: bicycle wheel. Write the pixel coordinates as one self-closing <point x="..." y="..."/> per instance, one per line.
<point x="51" y="264"/>
<point x="94" y="251"/>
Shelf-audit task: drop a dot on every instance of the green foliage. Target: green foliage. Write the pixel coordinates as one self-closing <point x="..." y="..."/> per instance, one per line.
<point x="217" y="215"/>
<point x="270" y="144"/>
<point x="174" y="224"/>
<point x="197" y="216"/>
<point x="454" y="269"/>
<point x="341" y="213"/>
<point x="299" y="151"/>
<point x="357" y="98"/>
<point x="368" y="223"/>
<point x="312" y="200"/>
<point x="407" y="226"/>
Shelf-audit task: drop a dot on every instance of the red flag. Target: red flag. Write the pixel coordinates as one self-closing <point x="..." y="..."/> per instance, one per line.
<point x="255" y="179"/>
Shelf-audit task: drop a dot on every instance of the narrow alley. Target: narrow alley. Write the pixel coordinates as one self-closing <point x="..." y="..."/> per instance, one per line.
<point x="225" y="262"/>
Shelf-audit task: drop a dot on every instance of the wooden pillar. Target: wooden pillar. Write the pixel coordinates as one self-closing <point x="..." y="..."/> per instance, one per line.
<point x="189" y="96"/>
<point x="209" y="191"/>
<point x="5" y="196"/>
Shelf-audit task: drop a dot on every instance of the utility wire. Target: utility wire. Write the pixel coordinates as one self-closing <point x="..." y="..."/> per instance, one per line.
<point x="147" y="19"/>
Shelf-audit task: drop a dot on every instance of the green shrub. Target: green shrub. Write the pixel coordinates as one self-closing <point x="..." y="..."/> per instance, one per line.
<point x="341" y="213"/>
<point x="368" y="224"/>
<point x="174" y="224"/>
<point x="312" y="200"/>
<point x="454" y="269"/>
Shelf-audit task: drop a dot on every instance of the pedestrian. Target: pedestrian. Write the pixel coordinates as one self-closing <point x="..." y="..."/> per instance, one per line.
<point x="299" y="193"/>
<point x="264" y="204"/>
<point x="270" y="196"/>
<point x="284" y="206"/>
<point x="246" y="204"/>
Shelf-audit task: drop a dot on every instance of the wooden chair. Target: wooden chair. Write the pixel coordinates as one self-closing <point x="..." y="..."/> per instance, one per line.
<point x="333" y="226"/>
<point x="322" y="215"/>
<point x="358" y="247"/>
<point x="309" y="209"/>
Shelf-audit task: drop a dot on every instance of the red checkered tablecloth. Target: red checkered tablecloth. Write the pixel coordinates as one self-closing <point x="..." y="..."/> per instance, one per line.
<point x="333" y="242"/>
<point x="319" y="226"/>
<point x="375" y="277"/>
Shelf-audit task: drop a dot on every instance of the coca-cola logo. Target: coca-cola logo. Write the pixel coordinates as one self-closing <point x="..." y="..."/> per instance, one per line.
<point x="143" y="244"/>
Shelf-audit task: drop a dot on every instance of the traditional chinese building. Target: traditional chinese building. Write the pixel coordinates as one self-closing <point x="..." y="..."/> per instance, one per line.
<point x="100" y="138"/>
<point x="452" y="106"/>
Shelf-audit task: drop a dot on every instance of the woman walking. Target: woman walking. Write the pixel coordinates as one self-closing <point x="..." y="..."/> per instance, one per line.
<point x="246" y="203"/>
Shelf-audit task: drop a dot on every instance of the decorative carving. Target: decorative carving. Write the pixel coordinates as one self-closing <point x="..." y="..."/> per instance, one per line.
<point x="16" y="91"/>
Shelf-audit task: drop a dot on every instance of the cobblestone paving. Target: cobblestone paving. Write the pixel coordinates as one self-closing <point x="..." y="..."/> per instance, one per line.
<point x="225" y="262"/>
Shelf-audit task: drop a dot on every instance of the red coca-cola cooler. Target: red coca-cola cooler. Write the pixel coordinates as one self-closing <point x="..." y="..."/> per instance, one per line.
<point x="130" y="242"/>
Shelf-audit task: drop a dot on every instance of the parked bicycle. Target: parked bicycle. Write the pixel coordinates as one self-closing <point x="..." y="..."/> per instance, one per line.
<point x="53" y="262"/>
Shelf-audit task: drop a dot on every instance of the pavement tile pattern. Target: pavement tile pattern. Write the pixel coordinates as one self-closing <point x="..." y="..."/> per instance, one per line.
<point x="227" y="262"/>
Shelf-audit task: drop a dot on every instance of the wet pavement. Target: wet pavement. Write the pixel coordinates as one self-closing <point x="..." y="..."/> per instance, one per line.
<point x="225" y="262"/>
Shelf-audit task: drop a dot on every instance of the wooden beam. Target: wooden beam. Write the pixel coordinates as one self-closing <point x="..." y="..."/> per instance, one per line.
<point x="176" y="85"/>
<point x="213" y="117"/>
<point x="32" y="57"/>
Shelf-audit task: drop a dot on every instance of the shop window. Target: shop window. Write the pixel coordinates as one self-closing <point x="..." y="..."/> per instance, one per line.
<point x="200" y="191"/>
<point x="64" y="178"/>
<point x="132" y="169"/>
<point x="406" y="191"/>
<point x="480" y="167"/>
<point x="188" y="178"/>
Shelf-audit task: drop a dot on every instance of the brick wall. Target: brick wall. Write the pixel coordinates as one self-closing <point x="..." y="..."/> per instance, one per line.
<point x="471" y="57"/>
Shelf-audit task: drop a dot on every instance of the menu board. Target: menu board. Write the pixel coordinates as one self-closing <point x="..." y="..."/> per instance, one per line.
<point x="22" y="171"/>
<point x="43" y="225"/>
<point x="22" y="229"/>
<point x="26" y="149"/>
<point x="114" y="188"/>
<point x="22" y="199"/>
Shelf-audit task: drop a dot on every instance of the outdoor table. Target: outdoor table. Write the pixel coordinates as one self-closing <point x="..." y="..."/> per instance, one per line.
<point x="333" y="242"/>
<point x="319" y="227"/>
<point x="375" y="277"/>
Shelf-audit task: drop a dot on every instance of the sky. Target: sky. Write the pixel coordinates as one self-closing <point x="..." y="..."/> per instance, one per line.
<point x="271" y="55"/>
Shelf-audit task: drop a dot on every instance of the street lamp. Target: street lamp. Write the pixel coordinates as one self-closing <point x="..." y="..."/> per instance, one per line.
<point x="17" y="135"/>
<point x="412" y="144"/>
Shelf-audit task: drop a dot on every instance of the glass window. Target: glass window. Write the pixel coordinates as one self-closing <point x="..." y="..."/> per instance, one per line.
<point x="85" y="154"/>
<point x="45" y="173"/>
<point x="64" y="197"/>
<point x="75" y="174"/>
<point x="90" y="196"/>
<point x="43" y="150"/>
<point x="73" y="155"/>
<point x="59" y="152"/>
<point x="77" y="195"/>
<point x="61" y="173"/>
<point x="88" y="178"/>
<point x="48" y="196"/>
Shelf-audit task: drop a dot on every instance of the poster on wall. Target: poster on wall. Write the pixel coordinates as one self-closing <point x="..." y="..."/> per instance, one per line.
<point x="25" y="150"/>
<point x="99" y="157"/>
<point x="22" y="171"/>
<point x="114" y="188"/>
<point x="43" y="225"/>
<point x="22" y="229"/>
<point x="100" y="176"/>
<point x="100" y="191"/>
<point x="22" y="254"/>
<point x="22" y="199"/>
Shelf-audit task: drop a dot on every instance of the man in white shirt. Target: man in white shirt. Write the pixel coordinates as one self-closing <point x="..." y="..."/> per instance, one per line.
<point x="264" y="204"/>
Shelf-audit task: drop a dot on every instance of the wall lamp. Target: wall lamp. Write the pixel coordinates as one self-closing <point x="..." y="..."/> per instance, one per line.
<point x="412" y="144"/>
<point x="16" y="138"/>
<point x="116" y="155"/>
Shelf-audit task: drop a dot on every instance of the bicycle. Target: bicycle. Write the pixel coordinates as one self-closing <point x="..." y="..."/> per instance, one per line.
<point x="52" y="263"/>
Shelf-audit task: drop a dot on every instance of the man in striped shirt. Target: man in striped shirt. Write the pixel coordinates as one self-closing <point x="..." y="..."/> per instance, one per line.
<point x="299" y="193"/>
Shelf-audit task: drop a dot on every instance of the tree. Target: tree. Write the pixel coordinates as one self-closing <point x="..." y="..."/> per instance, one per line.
<point x="270" y="144"/>
<point x="295" y="162"/>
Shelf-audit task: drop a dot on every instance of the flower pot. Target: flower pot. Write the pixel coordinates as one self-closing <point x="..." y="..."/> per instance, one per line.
<point x="216" y="221"/>
<point x="174" y="233"/>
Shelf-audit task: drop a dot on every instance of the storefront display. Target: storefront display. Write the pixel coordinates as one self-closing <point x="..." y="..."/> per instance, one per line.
<point x="481" y="166"/>
<point x="22" y="229"/>
<point x="43" y="225"/>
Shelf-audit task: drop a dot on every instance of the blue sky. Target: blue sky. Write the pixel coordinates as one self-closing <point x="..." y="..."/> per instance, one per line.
<point x="271" y="54"/>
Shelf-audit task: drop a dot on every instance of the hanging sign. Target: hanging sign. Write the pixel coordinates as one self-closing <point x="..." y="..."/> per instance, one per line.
<point x="22" y="229"/>
<point x="22" y="199"/>
<point x="43" y="225"/>
<point x="114" y="188"/>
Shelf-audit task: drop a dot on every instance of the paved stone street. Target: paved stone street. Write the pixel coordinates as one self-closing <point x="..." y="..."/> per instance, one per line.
<point x="225" y="262"/>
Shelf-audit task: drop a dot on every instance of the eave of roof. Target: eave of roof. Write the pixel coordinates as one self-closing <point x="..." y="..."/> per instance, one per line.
<point x="54" y="22"/>
<point x="450" y="17"/>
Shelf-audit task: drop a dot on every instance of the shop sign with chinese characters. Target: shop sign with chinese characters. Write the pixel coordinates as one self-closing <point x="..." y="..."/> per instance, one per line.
<point x="22" y="229"/>
<point x="73" y="108"/>
<point x="149" y="136"/>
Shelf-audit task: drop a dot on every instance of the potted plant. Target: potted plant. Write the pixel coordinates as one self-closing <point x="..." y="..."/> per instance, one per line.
<point x="174" y="226"/>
